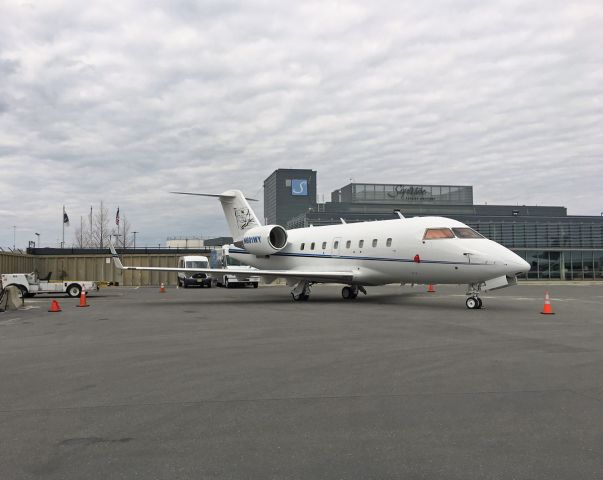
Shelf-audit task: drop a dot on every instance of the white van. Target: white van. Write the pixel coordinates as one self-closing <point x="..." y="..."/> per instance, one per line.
<point x="187" y="279"/>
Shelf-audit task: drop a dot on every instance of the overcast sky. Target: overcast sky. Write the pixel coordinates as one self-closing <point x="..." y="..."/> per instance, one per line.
<point x="125" y="101"/>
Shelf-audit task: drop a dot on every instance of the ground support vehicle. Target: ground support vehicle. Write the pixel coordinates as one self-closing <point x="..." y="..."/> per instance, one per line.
<point x="30" y="284"/>
<point x="221" y="259"/>
<point x="186" y="279"/>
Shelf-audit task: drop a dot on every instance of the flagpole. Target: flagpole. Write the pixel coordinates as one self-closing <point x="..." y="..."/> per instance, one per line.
<point x="91" y="239"/>
<point x="63" y="222"/>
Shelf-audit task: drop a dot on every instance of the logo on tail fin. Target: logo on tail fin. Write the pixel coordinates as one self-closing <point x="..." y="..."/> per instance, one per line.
<point x="244" y="218"/>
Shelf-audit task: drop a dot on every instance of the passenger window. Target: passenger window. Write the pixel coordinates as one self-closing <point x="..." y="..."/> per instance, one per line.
<point x="466" y="233"/>
<point x="348" y="244"/>
<point x="374" y="242"/>
<point x="302" y="246"/>
<point x="360" y="243"/>
<point x="438" y="233"/>
<point x="312" y="246"/>
<point x="336" y="245"/>
<point x="324" y="245"/>
<point x="388" y="243"/>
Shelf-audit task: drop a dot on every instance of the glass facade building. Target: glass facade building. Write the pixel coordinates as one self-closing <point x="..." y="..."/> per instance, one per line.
<point x="558" y="246"/>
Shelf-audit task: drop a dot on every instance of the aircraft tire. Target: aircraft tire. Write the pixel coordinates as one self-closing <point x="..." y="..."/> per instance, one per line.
<point x="346" y="293"/>
<point x="479" y="302"/>
<point x="302" y="297"/>
<point x="472" y="303"/>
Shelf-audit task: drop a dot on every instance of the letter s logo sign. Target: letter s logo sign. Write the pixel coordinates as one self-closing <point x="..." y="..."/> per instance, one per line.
<point x="299" y="187"/>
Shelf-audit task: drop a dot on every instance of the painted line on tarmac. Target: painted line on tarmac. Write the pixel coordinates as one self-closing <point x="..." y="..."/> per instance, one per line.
<point x="556" y="299"/>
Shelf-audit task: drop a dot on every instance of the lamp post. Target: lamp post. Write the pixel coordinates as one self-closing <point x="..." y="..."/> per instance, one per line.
<point x="38" y="241"/>
<point x="134" y="233"/>
<point x="14" y="236"/>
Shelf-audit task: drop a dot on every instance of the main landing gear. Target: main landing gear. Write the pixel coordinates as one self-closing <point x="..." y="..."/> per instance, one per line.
<point x="351" y="292"/>
<point x="301" y="291"/>
<point x="473" y="301"/>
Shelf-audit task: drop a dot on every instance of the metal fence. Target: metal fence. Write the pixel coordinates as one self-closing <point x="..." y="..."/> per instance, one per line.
<point x="95" y="267"/>
<point x="15" y="262"/>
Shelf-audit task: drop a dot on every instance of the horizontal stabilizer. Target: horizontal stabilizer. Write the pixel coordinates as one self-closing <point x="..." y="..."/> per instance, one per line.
<point x="215" y="195"/>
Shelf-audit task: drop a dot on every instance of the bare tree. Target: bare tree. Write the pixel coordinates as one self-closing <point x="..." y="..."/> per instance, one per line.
<point x="97" y="235"/>
<point x="82" y="234"/>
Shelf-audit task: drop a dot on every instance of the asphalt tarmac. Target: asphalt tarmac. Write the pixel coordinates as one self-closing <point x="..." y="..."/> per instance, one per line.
<point x="245" y="383"/>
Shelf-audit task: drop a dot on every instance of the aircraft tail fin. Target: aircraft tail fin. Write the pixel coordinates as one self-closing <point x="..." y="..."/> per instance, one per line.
<point x="238" y="213"/>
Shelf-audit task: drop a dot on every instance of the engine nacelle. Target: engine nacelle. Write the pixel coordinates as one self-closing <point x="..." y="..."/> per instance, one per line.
<point x="265" y="240"/>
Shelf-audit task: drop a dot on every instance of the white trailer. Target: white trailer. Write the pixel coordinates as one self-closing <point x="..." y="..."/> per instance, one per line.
<point x="30" y="284"/>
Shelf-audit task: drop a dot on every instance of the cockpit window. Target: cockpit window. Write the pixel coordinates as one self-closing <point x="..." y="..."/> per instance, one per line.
<point x="437" y="233"/>
<point x="466" y="233"/>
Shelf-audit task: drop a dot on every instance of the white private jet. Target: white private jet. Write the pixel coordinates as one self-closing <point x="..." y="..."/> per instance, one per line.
<point x="419" y="250"/>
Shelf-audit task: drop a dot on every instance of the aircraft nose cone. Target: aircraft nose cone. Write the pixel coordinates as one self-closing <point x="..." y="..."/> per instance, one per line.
<point x="519" y="266"/>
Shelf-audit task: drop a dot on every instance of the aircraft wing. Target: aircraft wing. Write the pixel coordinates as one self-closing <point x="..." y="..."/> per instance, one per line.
<point x="333" y="276"/>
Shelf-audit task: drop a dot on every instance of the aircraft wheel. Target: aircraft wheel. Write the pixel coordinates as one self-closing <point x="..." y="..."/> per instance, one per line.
<point x="472" y="303"/>
<point x="226" y="283"/>
<point x="347" y="293"/>
<point x="479" y="302"/>
<point x="255" y="284"/>
<point x="302" y="297"/>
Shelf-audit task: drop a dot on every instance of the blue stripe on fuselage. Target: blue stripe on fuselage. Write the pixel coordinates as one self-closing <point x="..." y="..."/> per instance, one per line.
<point x="345" y="257"/>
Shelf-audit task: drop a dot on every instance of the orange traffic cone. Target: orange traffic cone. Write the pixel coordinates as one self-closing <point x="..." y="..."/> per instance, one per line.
<point x="55" y="307"/>
<point x="547" y="309"/>
<point x="162" y="288"/>
<point x="431" y="289"/>
<point x="83" y="300"/>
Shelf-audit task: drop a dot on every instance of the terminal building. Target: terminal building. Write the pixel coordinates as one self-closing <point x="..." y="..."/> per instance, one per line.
<point x="557" y="245"/>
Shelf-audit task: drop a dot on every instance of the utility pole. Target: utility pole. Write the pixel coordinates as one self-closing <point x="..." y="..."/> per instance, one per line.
<point x="134" y="233"/>
<point x="14" y="236"/>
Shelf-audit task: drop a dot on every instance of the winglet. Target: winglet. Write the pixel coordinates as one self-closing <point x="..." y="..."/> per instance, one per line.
<point x="115" y="256"/>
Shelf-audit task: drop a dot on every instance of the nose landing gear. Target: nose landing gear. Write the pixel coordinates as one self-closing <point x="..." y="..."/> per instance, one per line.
<point x="473" y="302"/>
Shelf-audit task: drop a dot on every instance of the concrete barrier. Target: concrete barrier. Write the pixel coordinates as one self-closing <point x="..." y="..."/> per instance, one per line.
<point x="11" y="298"/>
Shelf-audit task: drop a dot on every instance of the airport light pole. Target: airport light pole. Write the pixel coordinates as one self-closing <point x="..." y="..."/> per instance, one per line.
<point x="38" y="241"/>
<point x="14" y="236"/>
<point x="134" y="233"/>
